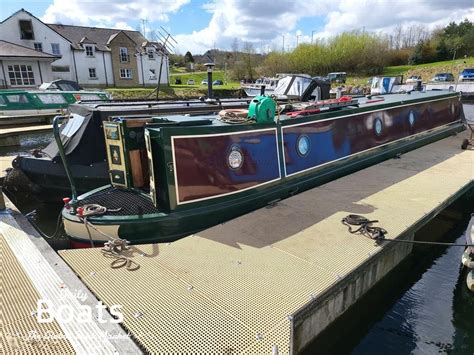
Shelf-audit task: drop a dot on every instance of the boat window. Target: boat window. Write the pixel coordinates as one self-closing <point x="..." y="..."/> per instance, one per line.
<point x="52" y="99"/>
<point x="17" y="99"/>
<point x="90" y="97"/>
<point x="2" y="100"/>
<point x="72" y="125"/>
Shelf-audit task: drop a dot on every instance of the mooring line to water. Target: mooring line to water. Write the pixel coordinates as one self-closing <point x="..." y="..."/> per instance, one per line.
<point x="378" y="233"/>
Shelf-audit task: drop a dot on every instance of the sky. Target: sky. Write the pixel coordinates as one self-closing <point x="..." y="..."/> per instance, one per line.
<point x="199" y="25"/>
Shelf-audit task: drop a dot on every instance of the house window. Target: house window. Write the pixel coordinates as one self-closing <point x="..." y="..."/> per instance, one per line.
<point x="125" y="73"/>
<point x="151" y="54"/>
<point x="92" y="73"/>
<point x="55" y="49"/>
<point x="152" y="74"/>
<point x="38" y="46"/>
<point x="89" y="51"/>
<point x="21" y="75"/>
<point x="60" y="68"/>
<point x="26" y="29"/>
<point x="124" y="54"/>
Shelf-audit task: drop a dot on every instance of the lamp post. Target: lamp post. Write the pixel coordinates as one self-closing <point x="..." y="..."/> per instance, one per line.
<point x="209" y="66"/>
<point x="312" y="36"/>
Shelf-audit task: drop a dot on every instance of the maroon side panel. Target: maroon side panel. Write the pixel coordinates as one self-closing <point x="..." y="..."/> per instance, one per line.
<point x="203" y="169"/>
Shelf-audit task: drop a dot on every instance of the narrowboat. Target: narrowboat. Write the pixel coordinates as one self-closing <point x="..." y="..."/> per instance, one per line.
<point x="254" y="89"/>
<point x="22" y="107"/>
<point x="270" y="85"/>
<point x="189" y="173"/>
<point x="42" y="173"/>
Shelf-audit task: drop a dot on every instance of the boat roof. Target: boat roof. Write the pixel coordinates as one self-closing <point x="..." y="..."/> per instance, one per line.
<point x="48" y="92"/>
<point x="364" y="103"/>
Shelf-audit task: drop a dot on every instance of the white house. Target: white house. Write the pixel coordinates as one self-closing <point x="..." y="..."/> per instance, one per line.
<point x="92" y="56"/>
<point x="23" y="67"/>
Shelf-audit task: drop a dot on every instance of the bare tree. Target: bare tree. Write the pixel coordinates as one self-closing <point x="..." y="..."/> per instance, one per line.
<point x="235" y="45"/>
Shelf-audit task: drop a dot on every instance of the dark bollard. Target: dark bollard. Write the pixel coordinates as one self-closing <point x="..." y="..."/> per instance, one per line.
<point x="209" y="66"/>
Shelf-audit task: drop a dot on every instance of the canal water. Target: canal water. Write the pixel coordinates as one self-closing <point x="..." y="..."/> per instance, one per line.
<point x="423" y="307"/>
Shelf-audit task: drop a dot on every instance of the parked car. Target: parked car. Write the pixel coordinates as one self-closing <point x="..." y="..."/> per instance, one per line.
<point x="217" y="82"/>
<point x="321" y="78"/>
<point x="413" y="78"/>
<point x="443" y="77"/>
<point x="191" y="82"/>
<point x="467" y="74"/>
<point x="178" y="81"/>
<point x="204" y="82"/>
<point x="337" y="77"/>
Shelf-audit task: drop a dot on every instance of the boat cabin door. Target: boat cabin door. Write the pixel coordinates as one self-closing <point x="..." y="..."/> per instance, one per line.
<point x="126" y="153"/>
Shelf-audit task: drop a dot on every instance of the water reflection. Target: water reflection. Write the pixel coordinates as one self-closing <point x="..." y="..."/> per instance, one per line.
<point x="431" y="317"/>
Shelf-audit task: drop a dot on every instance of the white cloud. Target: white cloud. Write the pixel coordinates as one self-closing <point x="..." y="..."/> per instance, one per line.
<point x="111" y="13"/>
<point x="263" y="22"/>
<point x="256" y="21"/>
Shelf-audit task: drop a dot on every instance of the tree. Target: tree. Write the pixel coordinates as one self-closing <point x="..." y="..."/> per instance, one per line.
<point x="248" y="59"/>
<point x="235" y="45"/>
<point x="188" y="57"/>
<point x="424" y="52"/>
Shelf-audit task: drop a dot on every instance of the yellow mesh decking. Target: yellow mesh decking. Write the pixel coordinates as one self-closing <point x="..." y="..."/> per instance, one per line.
<point x="233" y="288"/>
<point x="19" y="330"/>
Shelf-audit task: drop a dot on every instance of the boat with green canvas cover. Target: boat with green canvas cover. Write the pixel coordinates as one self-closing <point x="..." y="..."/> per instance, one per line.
<point x="22" y="107"/>
<point x="174" y="176"/>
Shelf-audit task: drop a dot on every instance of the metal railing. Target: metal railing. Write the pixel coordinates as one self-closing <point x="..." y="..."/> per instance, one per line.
<point x="63" y="158"/>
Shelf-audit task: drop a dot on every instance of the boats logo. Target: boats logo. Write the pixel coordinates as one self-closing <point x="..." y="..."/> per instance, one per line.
<point x="48" y="312"/>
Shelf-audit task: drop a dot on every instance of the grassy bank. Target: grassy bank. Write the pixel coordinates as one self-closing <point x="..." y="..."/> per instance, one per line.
<point x="198" y="77"/>
<point x="231" y="89"/>
<point x="183" y="91"/>
<point x="427" y="71"/>
<point x="169" y="92"/>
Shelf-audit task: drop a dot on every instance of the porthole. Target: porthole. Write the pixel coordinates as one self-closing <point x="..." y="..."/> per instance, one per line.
<point x="411" y="118"/>
<point x="303" y="145"/>
<point x="378" y="126"/>
<point x="235" y="158"/>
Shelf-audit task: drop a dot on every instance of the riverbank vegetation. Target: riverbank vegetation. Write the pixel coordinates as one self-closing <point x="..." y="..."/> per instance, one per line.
<point x="355" y="52"/>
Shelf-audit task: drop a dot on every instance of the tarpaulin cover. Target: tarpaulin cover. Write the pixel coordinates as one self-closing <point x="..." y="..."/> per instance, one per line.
<point x="292" y="86"/>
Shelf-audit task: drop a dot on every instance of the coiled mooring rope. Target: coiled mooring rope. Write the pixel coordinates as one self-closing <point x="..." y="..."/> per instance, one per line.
<point x="365" y="227"/>
<point x="115" y="246"/>
<point x="378" y="233"/>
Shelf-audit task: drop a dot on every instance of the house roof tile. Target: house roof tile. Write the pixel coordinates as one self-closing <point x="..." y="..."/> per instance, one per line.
<point x="100" y="36"/>
<point x="8" y="49"/>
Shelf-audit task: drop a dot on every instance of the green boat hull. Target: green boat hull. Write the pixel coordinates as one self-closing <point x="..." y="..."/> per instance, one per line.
<point x="166" y="227"/>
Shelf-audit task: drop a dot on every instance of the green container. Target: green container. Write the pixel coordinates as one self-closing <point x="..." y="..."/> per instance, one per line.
<point x="262" y="109"/>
